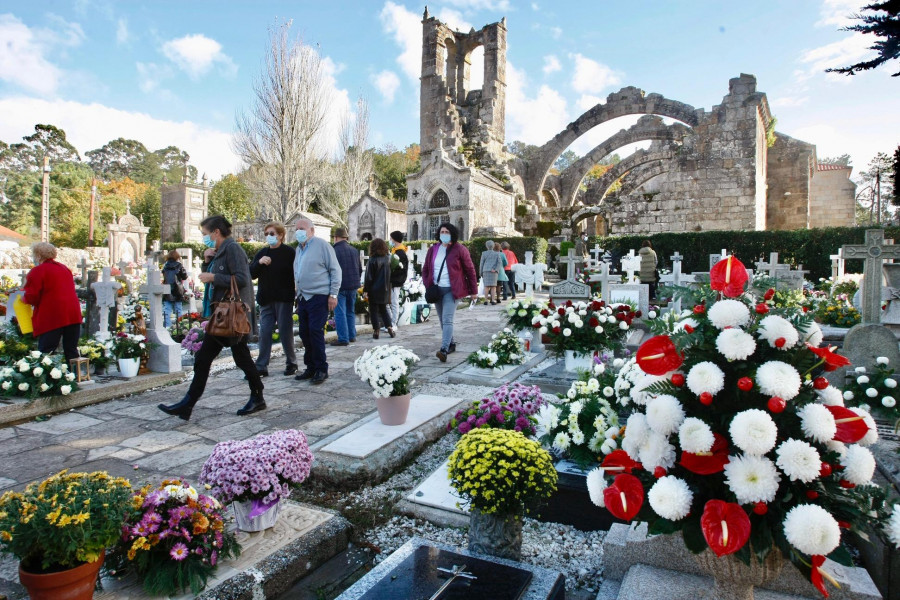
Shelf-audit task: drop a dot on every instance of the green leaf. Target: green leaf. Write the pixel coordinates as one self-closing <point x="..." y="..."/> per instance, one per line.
<point x="841" y="556"/>
<point x="693" y="535"/>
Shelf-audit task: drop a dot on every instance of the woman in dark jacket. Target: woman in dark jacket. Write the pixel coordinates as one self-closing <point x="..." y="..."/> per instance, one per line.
<point x="228" y="260"/>
<point x="173" y="273"/>
<point x="377" y="286"/>
<point x="398" y="273"/>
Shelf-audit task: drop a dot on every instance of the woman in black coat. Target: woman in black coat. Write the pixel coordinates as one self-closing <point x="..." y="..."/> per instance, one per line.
<point x="377" y="286"/>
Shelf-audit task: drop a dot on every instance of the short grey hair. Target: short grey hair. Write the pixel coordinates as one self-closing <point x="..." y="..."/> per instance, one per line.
<point x="489" y="244"/>
<point x="44" y="251"/>
<point x="504" y="245"/>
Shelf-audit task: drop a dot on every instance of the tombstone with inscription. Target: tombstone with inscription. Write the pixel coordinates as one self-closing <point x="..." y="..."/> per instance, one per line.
<point x="570" y="289"/>
<point x="106" y="291"/>
<point x="874" y="252"/>
<point x="715" y="258"/>
<point x="165" y="353"/>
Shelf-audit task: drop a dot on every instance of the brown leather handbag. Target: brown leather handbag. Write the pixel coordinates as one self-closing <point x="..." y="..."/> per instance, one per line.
<point x="229" y="316"/>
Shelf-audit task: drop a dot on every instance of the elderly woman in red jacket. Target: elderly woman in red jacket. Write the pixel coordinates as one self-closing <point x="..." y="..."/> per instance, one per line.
<point x="50" y="289"/>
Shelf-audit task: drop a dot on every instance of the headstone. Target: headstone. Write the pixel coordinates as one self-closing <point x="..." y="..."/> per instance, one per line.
<point x="187" y="256"/>
<point x="676" y="279"/>
<point x="84" y="264"/>
<point x="165" y="356"/>
<point x="603" y="278"/>
<point x="771" y="267"/>
<point x="862" y="345"/>
<point x="91" y="311"/>
<point x="630" y="265"/>
<point x="572" y="262"/>
<point x="636" y="294"/>
<point x="715" y="258"/>
<point x="837" y="264"/>
<point x="363" y="259"/>
<point x="596" y="255"/>
<point x="106" y="292"/>
<point x="570" y="289"/>
<point x="873" y="252"/>
<point x="124" y="267"/>
<point x="890" y="296"/>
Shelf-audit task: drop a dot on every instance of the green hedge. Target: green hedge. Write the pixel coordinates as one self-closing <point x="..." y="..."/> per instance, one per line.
<point x="519" y="245"/>
<point x="250" y="248"/>
<point x="809" y="247"/>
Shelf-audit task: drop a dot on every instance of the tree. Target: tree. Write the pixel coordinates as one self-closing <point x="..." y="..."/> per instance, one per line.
<point x="50" y="141"/>
<point x="354" y="167"/>
<point x="117" y="159"/>
<point x="882" y="22"/>
<point x="895" y="176"/>
<point x="843" y="160"/>
<point x="565" y="160"/>
<point x="522" y="150"/>
<point x="875" y="184"/>
<point x="391" y="167"/>
<point x="280" y="140"/>
<point x="230" y="197"/>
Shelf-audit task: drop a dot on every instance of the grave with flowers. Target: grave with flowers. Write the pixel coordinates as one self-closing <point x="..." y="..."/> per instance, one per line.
<point x="502" y="360"/>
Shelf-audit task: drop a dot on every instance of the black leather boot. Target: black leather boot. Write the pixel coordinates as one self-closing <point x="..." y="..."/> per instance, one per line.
<point x="256" y="403"/>
<point x="182" y="409"/>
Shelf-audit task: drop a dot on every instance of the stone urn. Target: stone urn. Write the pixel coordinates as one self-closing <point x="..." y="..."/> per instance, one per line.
<point x="496" y="535"/>
<point x="733" y="579"/>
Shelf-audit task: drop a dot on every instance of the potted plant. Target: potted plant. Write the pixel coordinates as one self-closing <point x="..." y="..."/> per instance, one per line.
<point x="128" y="349"/>
<point x="505" y="349"/>
<point x="502" y="475"/>
<point x="59" y="530"/>
<point x="579" y="330"/>
<point x="37" y="375"/>
<point x="173" y="539"/>
<point x="96" y="352"/>
<point x="386" y="369"/>
<point x="525" y="316"/>
<point x="193" y="339"/>
<point x="876" y="388"/>
<point x="739" y="443"/>
<point x="511" y="406"/>
<point x="255" y="474"/>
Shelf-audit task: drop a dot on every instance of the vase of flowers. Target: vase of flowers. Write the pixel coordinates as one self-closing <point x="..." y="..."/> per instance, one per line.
<point x="173" y="539"/>
<point x="414" y="290"/>
<point x="37" y="375"/>
<point x="505" y="349"/>
<point x="255" y="474"/>
<point x="584" y="328"/>
<point x="128" y="349"/>
<point x="511" y="406"/>
<point x="193" y="339"/>
<point x="386" y="369"/>
<point x="502" y="475"/>
<point x="95" y="351"/>
<point x="737" y="441"/>
<point x="86" y="510"/>
<point x="523" y="314"/>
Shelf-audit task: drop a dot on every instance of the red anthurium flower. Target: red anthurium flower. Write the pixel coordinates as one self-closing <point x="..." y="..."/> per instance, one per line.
<point x="728" y="276"/>
<point x="818" y="573"/>
<point x="850" y="426"/>
<point x="832" y="360"/>
<point x="678" y="379"/>
<point x="726" y="526"/>
<point x="619" y="461"/>
<point x="707" y="463"/>
<point x="658" y="356"/>
<point x="624" y="497"/>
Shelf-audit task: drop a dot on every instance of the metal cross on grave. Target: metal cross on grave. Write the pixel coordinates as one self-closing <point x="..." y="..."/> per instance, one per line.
<point x="571" y="261"/>
<point x="456" y="572"/>
<point x="837" y="263"/>
<point x="874" y="252"/>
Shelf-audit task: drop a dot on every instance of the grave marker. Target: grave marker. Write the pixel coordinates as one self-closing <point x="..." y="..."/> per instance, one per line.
<point x="165" y="356"/>
<point x="837" y="264"/>
<point x="106" y="292"/>
<point x="529" y="275"/>
<point x="603" y="278"/>
<point x="630" y="264"/>
<point x="596" y="255"/>
<point x="873" y="252"/>
<point x="714" y="258"/>
<point x="570" y="289"/>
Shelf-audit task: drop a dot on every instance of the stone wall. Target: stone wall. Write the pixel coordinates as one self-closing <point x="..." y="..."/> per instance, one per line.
<point x="371" y="215"/>
<point x="833" y="198"/>
<point x="790" y="162"/>
<point x="183" y="206"/>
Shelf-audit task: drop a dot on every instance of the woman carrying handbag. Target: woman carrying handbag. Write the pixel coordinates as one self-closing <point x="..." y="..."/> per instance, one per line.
<point x="225" y="271"/>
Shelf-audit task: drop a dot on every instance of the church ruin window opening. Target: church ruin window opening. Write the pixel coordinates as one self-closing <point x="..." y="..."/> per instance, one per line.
<point x="440" y="199"/>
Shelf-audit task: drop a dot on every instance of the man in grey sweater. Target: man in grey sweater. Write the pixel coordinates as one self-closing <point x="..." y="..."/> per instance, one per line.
<point x="317" y="276"/>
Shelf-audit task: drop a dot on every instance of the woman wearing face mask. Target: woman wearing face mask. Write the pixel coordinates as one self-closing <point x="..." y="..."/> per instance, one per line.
<point x="449" y="265"/>
<point x="228" y="260"/>
<point x="50" y="289"/>
<point x="273" y="266"/>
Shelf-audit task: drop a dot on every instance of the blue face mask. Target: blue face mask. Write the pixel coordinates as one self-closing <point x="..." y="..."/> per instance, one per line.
<point x="207" y="241"/>
<point x="300" y="236"/>
<point x="271" y="240"/>
<point x="445" y="238"/>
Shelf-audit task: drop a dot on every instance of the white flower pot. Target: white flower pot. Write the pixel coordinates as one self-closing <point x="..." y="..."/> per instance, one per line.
<point x="258" y="523"/>
<point x="128" y="367"/>
<point x="576" y="362"/>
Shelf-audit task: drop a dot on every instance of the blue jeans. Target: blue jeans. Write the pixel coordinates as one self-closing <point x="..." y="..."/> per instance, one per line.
<point x="312" y="315"/>
<point x="280" y="313"/>
<point x="446" y="308"/>
<point x="345" y="315"/>
<point x="169" y="307"/>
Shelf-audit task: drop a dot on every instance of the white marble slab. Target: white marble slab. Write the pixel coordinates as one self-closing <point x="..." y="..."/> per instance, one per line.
<point x="436" y="492"/>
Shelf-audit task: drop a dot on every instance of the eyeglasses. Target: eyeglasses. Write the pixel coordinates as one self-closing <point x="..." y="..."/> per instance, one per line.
<point x="271" y="233"/>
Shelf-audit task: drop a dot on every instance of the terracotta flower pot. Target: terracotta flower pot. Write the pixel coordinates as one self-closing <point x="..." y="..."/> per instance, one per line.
<point x="393" y="409"/>
<point x="72" y="584"/>
<point x="734" y="580"/>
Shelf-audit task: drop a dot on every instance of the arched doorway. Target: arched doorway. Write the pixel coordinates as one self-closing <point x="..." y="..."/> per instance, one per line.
<point x="438" y="212"/>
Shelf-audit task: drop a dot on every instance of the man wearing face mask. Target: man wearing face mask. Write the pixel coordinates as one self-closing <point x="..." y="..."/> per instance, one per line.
<point x="317" y="277"/>
<point x="273" y="267"/>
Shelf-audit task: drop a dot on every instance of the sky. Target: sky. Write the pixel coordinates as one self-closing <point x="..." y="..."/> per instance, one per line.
<point x="167" y="72"/>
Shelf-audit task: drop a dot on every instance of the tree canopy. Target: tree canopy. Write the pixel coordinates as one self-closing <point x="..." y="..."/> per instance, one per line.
<point x="882" y="21"/>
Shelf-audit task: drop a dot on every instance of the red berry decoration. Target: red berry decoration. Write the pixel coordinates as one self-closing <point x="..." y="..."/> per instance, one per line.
<point x="699" y="309"/>
<point x="843" y="524"/>
<point x="825" y="470"/>
<point x="847" y="485"/>
<point x="745" y="384"/>
<point x="776" y="404"/>
<point x="760" y="508"/>
<point x="706" y="398"/>
<point x="659" y="472"/>
<point x="770" y="293"/>
<point x="678" y="379"/>
<point x="780" y="342"/>
<point x="820" y="383"/>
<point x="812" y="494"/>
<point x="689" y="329"/>
<point x="761" y="308"/>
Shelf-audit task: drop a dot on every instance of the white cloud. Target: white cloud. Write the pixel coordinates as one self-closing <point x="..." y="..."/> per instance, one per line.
<point x="591" y="76"/>
<point x="480" y="4"/>
<point x="89" y="126"/>
<point x="406" y="28"/>
<point x="197" y="54"/>
<point x="387" y="83"/>
<point x="837" y="13"/>
<point x="841" y="53"/>
<point x="556" y="32"/>
<point x="452" y="19"/>
<point x="587" y="101"/>
<point x="22" y="59"/>
<point x="535" y="6"/>
<point x="150" y="75"/>
<point x="532" y="120"/>
<point x="122" y="34"/>
<point x="788" y="101"/>
<point x="338" y="107"/>
<point x="551" y="64"/>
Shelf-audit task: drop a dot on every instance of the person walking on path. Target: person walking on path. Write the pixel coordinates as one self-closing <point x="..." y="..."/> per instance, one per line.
<point x="377" y="287"/>
<point x="491" y="265"/>
<point x="173" y="273"/>
<point x="398" y="272"/>
<point x="510" y="273"/>
<point x="448" y="264"/>
<point x="317" y="277"/>
<point x="351" y="270"/>
<point x="50" y="290"/>
<point x="229" y="260"/>
<point x="648" y="272"/>
<point x="273" y="267"/>
<point x="502" y="279"/>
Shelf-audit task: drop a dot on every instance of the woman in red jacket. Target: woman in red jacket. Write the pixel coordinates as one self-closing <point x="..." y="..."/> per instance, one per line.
<point x="450" y="266"/>
<point x="50" y="289"/>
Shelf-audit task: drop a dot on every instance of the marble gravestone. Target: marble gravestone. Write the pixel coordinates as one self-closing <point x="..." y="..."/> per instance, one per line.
<point x="636" y="294"/>
<point x="165" y="354"/>
<point x="529" y="275"/>
<point x="631" y="264"/>
<point x="570" y="289"/>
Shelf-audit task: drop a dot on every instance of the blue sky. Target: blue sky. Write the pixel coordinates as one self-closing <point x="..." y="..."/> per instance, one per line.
<point x="168" y="72"/>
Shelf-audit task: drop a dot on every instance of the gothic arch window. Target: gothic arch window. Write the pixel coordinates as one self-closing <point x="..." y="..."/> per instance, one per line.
<point x="415" y="230"/>
<point x="461" y="225"/>
<point x="439" y="200"/>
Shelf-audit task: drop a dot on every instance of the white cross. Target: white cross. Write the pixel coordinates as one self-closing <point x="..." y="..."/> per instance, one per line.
<point x="630" y="264"/>
<point x="165" y="355"/>
<point x="106" y="291"/>
<point x="155" y="289"/>
<point x="596" y="254"/>
<point x="603" y="278"/>
<point x="122" y="265"/>
<point x="529" y="257"/>
<point x="837" y="264"/>
<point x="676" y="278"/>
<point x="874" y="252"/>
<point x="571" y="261"/>
<point x="772" y="266"/>
<point x="363" y="259"/>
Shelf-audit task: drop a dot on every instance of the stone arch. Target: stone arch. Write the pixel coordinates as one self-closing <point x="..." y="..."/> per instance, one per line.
<point x="627" y="101"/>
<point x="647" y="128"/>
<point x="597" y="189"/>
<point x="550" y="198"/>
<point x="366" y="225"/>
<point x="366" y="237"/>
<point x="638" y="177"/>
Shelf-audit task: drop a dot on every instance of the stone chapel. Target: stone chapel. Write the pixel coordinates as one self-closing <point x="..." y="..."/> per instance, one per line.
<point x="373" y="217"/>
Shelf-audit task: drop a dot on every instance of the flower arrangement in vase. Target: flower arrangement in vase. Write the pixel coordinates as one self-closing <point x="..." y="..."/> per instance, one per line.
<point x="585" y="327"/>
<point x="524" y="314"/>
<point x="173" y="539"/>
<point x="738" y="442"/>
<point x="506" y="348"/>
<point x="255" y="474"/>
<point x="387" y="370"/>
<point x="511" y="406"/>
<point x="414" y="289"/>
<point x="37" y="375"/>
<point x="127" y="345"/>
<point x="95" y="351"/>
<point x="193" y="339"/>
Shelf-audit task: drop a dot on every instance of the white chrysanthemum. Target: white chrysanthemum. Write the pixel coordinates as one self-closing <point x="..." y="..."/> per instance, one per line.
<point x="729" y="313"/>
<point x="638" y="392"/>
<point x="889" y="402"/>
<point x="871" y="392"/>
<point x="862" y="380"/>
<point x="561" y="441"/>
<point x="547" y="419"/>
<point x="831" y="396"/>
<point x="812" y="530"/>
<point x="774" y="327"/>
<point x="596" y="483"/>
<point x="656" y="451"/>
<point x="706" y="377"/>
<point x="752" y="478"/>
<point x="753" y="431"/>
<point x="695" y="436"/>
<point x="872" y="434"/>
<point x="735" y="344"/>
<point x="893" y="526"/>
<point x="680" y="325"/>
<point x="836" y="446"/>
<point x="860" y="370"/>
<point x="882" y="360"/>
<point x="817" y="422"/>
<point x="636" y="433"/>
<point x="813" y="335"/>
<point x="848" y="395"/>
<point x="609" y="392"/>
<point x="576" y="407"/>
<point x="577" y="437"/>
<point x="64" y="390"/>
<point x="776" y="378"/>
<point x="798" y="460"/>
<point x="859" y="464"/>
<point x="670" y="498"/>
<point x="664" y="414"/>
<point x="55" y="373"/>
<point x="890" y="383"/>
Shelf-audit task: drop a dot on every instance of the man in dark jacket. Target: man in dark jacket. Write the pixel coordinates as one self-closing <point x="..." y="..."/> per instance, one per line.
<point x="273" y="266"/>
<point x="351" y="269"/>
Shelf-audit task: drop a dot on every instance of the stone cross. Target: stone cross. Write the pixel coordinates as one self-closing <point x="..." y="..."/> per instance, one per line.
<point x="874" y="252"/>
<point x="122" y="266"/>
<point x="106" y="290"/>
<point x="630" y="264"/>
<point x="529" y="257"/>
<point x="84" y="267"/>
<point x="676" y="278"/>
<point x="572" y="261"/>
<point x="596" y="254"/>
<point x="772" y="266"/>
<point x="529" y="275"/>
<point x="837" y="264"/>
<point x="419" y="256"/>
<point x="603" y="278"/>
<point x="165" y="355"/>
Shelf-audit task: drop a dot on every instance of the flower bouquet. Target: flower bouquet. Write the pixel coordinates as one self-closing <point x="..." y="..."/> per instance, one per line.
<point x="505" y="349"/>
<point x="37" y="375"/>
<point x="878" y="388"/>
<point x="414" y="289"/>
<point x="127" y="345"/>
<point x="522" y="315"/>
<point x="511" y="406"/>
<point x="173" y="538"/>
<point x="738" y="442"/>
<point x="14" y="344"/>
<point x="193" y="339"/>
<point x="585" y="327"/>
<point x="258" y="472"/>
<point x="386" y="369"/>
<point x="95" y="351"/>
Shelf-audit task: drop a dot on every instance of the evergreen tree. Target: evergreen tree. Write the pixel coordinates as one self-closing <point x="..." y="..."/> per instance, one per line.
<point x="883" y="22"/>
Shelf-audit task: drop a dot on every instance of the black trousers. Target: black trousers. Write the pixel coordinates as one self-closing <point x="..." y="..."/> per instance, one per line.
<point x="379" y="311"/>
<point x="509" y="286"/>
<point x="49" y="340"/>
<point x="210" y="348"/>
